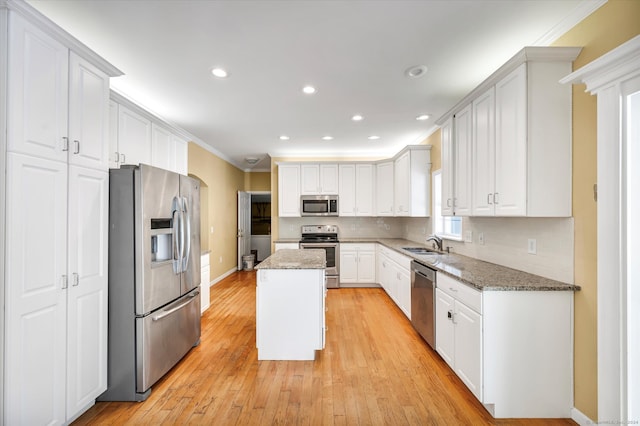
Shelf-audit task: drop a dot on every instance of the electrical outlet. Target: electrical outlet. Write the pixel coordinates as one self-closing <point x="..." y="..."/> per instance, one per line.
<point x="212" y="229"/>
<point x="481" y="238"/>
<point x="220" y="259"/>
<point x="532" y="246"/>
<point x="468" y="237"/>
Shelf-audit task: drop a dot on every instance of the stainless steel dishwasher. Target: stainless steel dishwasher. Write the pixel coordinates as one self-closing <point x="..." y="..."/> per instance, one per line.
<point x="423" y="287"/>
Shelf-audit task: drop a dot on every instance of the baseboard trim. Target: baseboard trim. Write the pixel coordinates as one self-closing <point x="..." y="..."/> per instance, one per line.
<point x="359" y="285"/>
<point x="222" y="277"/>
<point x="580" y="418"/>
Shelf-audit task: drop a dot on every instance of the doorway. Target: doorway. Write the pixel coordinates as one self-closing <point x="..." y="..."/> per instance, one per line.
<point x="254" y="225"/>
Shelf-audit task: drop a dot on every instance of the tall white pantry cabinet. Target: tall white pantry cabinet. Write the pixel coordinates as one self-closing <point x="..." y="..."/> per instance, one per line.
<point x="54" y="205"/>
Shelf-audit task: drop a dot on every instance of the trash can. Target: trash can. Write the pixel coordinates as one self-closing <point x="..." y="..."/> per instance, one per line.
<point x="247" y="262"/>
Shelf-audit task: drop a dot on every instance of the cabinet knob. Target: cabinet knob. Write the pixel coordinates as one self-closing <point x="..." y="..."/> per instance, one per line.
<point x="76" y="279"/>
<point x="488" y="198"/>
<point x="77" y="145"/>
<point x="495" y="198"/>
<point x="64" y="282"/>
<point x="65" y="143"/>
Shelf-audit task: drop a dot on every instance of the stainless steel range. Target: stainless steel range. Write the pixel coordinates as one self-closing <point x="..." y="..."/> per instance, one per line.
<point x="324" y="237"/>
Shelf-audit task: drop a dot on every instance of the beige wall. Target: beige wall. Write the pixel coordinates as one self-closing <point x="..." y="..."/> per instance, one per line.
<point x="611" y="25"/>
<point x="257" y="181"/>
<point x="221" y="183"/>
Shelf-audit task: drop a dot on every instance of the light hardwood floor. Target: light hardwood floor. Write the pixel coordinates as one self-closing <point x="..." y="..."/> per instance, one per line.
<point x="374" y="370"/>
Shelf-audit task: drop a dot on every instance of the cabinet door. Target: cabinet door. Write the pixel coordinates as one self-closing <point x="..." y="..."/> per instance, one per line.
<point x="445" y="329"/>
<point x="384" y="272"/>
<point x="347" y="190"/>
<point x="180" y="156"/>
<point x="404" y="291"/>
<point x="384" y="189"/>
<point x="161" y="148"/>
<point x="402" y="182"/>
<point x="484" y="154"/>
<point x="134" y="137"/>
<point x="114" y="153"/>
<point x="309" y="179"/>
<point x="468" y="347"/>
<point x="447" y="168"/>
<point x="87" y="292"/>
<point x="348" y="266"/>
<point x="463" y="162"/>
<point x="366" y="266"/>
<point x="289" y="190"/>
<point x="510" y="195"/>
<point x="364" y="190"/>
<point x="329" y="179"/>
<point x="88" y="115"/>
<point x="36" y="299"/>
<point x="37" y="106"/>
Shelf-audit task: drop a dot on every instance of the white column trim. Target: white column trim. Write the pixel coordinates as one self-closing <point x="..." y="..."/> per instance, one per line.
<point x="604" y="77"/>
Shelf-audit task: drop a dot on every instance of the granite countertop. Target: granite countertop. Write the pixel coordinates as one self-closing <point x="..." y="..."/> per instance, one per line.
<point x="295" y="259"/>
<point x="481" y="275"/>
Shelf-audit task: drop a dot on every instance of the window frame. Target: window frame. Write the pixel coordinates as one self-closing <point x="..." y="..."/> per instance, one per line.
<point x="445" y="222"/>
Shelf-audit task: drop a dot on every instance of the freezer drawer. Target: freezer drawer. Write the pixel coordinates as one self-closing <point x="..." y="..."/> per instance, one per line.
<point x="164" y="337"/>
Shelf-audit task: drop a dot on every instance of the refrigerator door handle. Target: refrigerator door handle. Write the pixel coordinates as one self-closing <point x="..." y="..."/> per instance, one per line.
<point x="176" y="308"/>
<point x="177" y="243"/>
<point x="185" y="261"/>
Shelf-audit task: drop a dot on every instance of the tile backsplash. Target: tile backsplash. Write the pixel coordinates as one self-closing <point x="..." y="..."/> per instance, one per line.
<point x="505" y="239"/>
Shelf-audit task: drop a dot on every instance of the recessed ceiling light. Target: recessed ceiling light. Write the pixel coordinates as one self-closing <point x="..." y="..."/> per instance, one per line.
<point x="373" y="137"/>
<point x="423" y="117"/>
<point x="357" y="117"/>
<point x="327" y="138"/>
<point x="309" y="90"/>
<point x="416" y="71"/>
<point x="284" y="138"/>
<point x="219" y="72"/>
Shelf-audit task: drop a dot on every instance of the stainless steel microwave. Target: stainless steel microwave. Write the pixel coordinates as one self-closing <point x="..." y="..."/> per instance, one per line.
<point x="319" y="205"/>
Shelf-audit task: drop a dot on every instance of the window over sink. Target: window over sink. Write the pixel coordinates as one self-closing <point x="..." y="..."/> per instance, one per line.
<point x="449" y="227"/>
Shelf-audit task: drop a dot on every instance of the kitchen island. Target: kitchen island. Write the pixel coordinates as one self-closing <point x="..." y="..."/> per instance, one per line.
<point x="290" y="305"/>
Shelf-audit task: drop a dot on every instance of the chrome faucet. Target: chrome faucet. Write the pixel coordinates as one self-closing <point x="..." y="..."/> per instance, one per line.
<point x="436" y="240"/>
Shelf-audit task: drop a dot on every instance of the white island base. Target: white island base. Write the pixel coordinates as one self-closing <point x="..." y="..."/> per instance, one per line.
<point x="290" y="306"/>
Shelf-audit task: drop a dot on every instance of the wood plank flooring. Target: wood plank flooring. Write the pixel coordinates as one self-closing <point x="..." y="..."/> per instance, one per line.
<point x="374" y="370"/>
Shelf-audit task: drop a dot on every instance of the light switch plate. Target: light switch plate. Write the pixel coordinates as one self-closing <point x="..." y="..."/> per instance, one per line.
<point x="532" y="246"/>
<point x="481" y="238"/>
<point x="468" y="237"/>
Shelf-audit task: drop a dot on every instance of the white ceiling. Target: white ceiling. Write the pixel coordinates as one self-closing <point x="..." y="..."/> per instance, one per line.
<point x="354" y="52"/>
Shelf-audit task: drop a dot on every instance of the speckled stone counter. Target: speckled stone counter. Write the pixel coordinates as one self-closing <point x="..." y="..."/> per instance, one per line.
<point x="295" y="259"/>
<point x="481" y="275"/>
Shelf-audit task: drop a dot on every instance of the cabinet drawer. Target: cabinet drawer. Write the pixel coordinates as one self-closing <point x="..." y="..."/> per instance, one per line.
<point x="358" y="246"/>
<point x="459" y="291"/>
<point x="403" y="261"/>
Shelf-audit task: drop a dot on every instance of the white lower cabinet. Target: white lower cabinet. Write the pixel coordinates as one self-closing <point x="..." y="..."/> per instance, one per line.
<point x="205" y="281"/>
<point x="512" y="349"/>
<point x="56" y="329"/>
<point x="288" y="246"/>
<point x="290" y="313"/>
<point x="459" y="332"/>
<point x="357" y="263"/>
<point x="394" y="275"/>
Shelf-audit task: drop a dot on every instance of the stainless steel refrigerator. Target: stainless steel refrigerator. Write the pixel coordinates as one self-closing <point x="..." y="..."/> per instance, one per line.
<point x="154" y="277"/>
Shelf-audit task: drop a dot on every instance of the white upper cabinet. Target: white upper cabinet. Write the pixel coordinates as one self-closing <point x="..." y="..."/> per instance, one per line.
<point x="447" y="168"/>
<point x="462" y="160"/>
<point x="134" y="137"/>
<point x="38" y="94"/>
<point x="384" y="189"/>
<point x="355" y="192"/>
<point x="510" y="192"/>
<point x="88" y="114"/>
<point x="319" y="179"/>
<point x="521" y="138"/>
<point x="289" y="190"/>
<point x="484" y="154"/>
<point x="412" y="177"/>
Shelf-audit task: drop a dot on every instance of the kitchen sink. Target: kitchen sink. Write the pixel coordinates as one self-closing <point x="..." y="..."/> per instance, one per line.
<point x="419" y="250"/>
